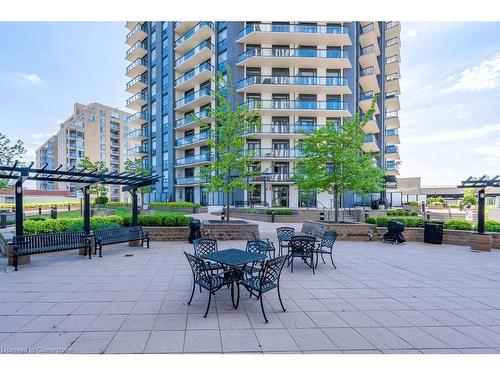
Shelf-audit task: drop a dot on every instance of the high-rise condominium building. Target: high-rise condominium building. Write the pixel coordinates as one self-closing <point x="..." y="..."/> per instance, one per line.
<point x="94" y="130"/>
<point x="298" y="74"/>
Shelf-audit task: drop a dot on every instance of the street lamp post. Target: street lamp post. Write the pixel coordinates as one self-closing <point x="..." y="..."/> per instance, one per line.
<point x="265" y="176"/>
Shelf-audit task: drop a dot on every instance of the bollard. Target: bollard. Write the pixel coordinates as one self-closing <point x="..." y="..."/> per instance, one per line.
<point x="39" y="210"/>
<point x="3" y="220"/>
<point x="53" y="213"/>
<point x="272" y="216"/>
<point x="321" y="216"/>
<point x="428" y="215"/>
<point x="69" y="206"/>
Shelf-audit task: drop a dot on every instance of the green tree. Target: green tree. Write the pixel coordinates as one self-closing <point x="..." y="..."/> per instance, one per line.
<point x="99" y="190"/>
<point x="469" y="197"/>
<point x="9" y="152"/>
<point x="334" y="162"/>
<point x="135" y="166"/>
<point x="231" y="166"/>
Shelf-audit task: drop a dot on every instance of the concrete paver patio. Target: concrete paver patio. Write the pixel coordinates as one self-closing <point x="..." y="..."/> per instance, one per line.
<point x="414" y="298"/>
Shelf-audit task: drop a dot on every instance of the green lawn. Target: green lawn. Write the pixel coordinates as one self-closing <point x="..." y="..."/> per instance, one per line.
<point x="120" y="211"/>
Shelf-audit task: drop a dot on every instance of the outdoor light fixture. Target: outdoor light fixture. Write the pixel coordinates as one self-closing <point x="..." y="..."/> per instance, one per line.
<point x="19" y="190"/>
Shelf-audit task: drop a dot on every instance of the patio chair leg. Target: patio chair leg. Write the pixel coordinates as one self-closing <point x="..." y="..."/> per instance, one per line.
<point x="316" y="263"/>
<point x="331" y="257"/>
<point x="323" y="259"/>
<point x="262" y="307"/>
<point x="312" y="262"/>
<point x="208" y="306"/>
<point x="279" y="297"/>
<point x="238" y="297"/>
<point x="192" y="294"/>
<point x="291" y="260"/>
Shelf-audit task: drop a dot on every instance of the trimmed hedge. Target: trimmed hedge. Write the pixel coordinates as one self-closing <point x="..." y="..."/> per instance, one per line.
<point x="413" y="203"/>
<point x="458" y="224"/>
<point x="44" y="204"/>
<point x="175" y="204"/>
<point x="279" y="211"/>
<point x="118" y="204"/>
<point x="410" y="222"/>
<point x="159" y="220"/>
<point x="401" y="213"/>
<point x="70" y="225"/>
<point x="492" y="226"/>
<point x="455" y="224"/>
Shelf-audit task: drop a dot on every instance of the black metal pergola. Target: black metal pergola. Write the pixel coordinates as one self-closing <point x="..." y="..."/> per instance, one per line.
<point x="82" y="177"/>
<point x="481" y="184"/>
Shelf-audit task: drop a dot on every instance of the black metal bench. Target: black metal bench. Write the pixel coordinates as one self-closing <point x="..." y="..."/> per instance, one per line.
<point x="119" y="235"/>
<point x="50" y="242"/>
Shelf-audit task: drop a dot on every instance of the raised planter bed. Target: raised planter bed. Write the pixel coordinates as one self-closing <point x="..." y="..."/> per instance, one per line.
<point x="168" y="233"/>
<point x="345" y="231"/>
<point x="184" y="210"/>
<point x="234" y="230"/>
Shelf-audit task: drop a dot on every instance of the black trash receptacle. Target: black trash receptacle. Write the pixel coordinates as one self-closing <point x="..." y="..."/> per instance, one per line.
<point x="433" y="233"/>
<point x="195" y="232"/>
<point x="374" y="205"/>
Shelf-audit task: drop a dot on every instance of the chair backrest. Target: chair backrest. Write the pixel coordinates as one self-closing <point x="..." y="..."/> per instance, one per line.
<point x="285" y="231"/>
<point x="328" y="239"/>
<point x="272" y="270"/>
<point x="203" y="246"/>
<point x="198" y="266"/>
<point x="302" y="243"/>
<point x="257" y="246"/>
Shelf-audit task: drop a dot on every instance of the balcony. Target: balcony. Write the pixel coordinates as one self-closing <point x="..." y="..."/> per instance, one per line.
<point x="194" y="77"/>
<point x="137" y="152"/>
<point x="365" y="102"/>
<point x="392" y="168"/>
<point x="268" y="33"/>
<point x="278" y="130"/>
<point x="392" y="65"/>
<point x="368" y="80"/>
<point x="392" y="46"/>
<point x="194" y="100"/>
<point x="392" y="82"/>
<point x="392" y="120"/>
<point x="135" y="102"/>
<point x="189" y="122"/>
<point x="138" y="50"/>
<point x="195" y="159"/>
<point x="392" y="29"/>
<point x="392" y="137"/>
<point x="182" y="26"/>
<point x="138" y="33"/>
<point x="137" y="135"/>
<point x="137" y="84"/>
<point x="291" y="84"/>
<point x="197" y="34"/>
<point x="294" y="57"/>
<point x="370" y="144"/>
<point x="368" y="57"/>
<point x="137" y="68"/>
<point x="371" y="126"/>
<point x="392" y="152"/>
<point x="273" y="178"/>
<point x="186" y="181"/>
<point x="272" y="153"/>
<point x="392" y="101"/>
<point x="369" y="34"/>
<point x="194" y="57"/>
<point x="192" y="139"/>
<point x="300" y="107"/>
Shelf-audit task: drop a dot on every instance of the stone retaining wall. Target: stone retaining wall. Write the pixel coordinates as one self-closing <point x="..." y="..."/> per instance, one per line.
<point x="229" y="231"/>
<point x="168" y="233"/>
<point x="351" y="232"/>
<point x="184" y="210"/>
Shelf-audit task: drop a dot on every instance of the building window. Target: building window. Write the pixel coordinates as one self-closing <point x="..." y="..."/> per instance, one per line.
<point x="115" y="115"/>
<point x="153" y="54"/>
<point x="153" y="90"/>
<point x="102" y="112"/>
<point x="153" y="72"/>
<point x="91" y="118"/>
<point x="153" y="108"/>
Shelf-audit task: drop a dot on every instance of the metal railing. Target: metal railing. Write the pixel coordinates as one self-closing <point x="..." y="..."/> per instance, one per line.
<point x="206" y="91"/>
<point x="192" y="138"/>
<point x="192" y="31"/>
<point x="137" y="62"/>
<point x="297" y="105"/>
<point x="293" y="52"/>
<point x="203" y="157"/>
<point x="293" y="28"/>
<point x="190" y="119"/>
<point x="194" y="72"/>
<point x="194" y="51"/>
<point x="280" y="129"/>
<point x="292" y="80"/>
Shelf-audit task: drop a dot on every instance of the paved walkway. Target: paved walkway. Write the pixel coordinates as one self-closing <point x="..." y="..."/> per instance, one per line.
<point x="414" y="298"/>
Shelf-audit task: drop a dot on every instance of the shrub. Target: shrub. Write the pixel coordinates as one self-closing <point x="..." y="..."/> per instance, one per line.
<point x="36" y="218"/>
<point x="251" y="211"/>
<point x="492" y="226"/>
<point x="279" y="211"/>
<point x="458" y="224"/>
<point x="413" y="203"/>
<point x="174" y="220"/>
<point x="101" y="200"/>
<point x="435" y="200"/>
<point x="170" y="221"/>
<point x="410" y="222"/>
<point x="183" y="221"/>
<point x="401" y="213"/>
<point x="371" y="220"/>
<point x="70" y="225"/>
<point x="118" y="204"/>
<point x="176" y="204"/>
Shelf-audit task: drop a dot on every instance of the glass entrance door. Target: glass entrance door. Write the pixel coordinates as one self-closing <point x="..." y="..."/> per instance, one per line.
<point x="280" y="196"/>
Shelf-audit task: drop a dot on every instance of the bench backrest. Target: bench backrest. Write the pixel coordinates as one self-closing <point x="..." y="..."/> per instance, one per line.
<point x="45" y="240"/>
<point x="118" y="233"/>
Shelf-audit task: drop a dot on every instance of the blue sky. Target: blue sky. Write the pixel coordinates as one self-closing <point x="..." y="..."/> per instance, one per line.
<point x="450" y="116"/>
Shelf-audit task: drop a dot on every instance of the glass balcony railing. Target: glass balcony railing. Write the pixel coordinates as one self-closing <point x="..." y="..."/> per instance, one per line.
<point x="194" y="51"/>
<point x="293" y="52"/>
<point x="367" y="50"/>
<point x="391" y="150"/>
<point x="392" y="59"/>
<point x="136" y="46"/>
<point x="138" y="116"/>
<point x="138" y="96"/>
<point x="292" y="80"/>
<point x="137" y="27"/>
<point x="368" y="71"/>
<point x="190" y="119"/>
<point x="279" y="153"/>
<point x="367" y="28"/>
<point x="391" y="24"/>
<point x="192" y="97"/>
<point x="192" y="138"/>
<point x="137" y="80"/>
<point x="194" y="72"/>
<point x="192" y="31"/>
<point x="391" y="132"/>
<point x="137" y="150"/>
<point x="281" y="28"/>
<point x="366" y="96"/>
<point x="392" y="42"/>
<point x="391" y="114"/>
<point x="281" y="129"/>
<point x="137" y="62"/>
<point x="273" y="177"/>
<point x="371" y="118"/>
<point x="391" y="165"/>
<point x="369" y="138"/>
<point x="392" y="95"/>
<point x="137" y="133"/>
<point x="200" y="158"/>
<point x="190" y="180"/>
<point x="298" y="105"/>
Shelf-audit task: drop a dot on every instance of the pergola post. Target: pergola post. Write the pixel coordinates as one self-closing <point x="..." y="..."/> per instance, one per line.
<point x="86" y="209"/>
<point x="135" y="208"/>
<point x="481" y="194"/>
<point x="19" y="207"/>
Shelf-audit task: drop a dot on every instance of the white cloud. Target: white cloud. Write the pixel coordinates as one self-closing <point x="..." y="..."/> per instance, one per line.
<point x="31" y="78"/>
<point x="412" y="33"/>
<point x="485" y="76"/>
<point x="452" y="136"/>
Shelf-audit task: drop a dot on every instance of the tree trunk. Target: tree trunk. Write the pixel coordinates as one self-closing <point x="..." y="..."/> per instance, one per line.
<point x="336" y="203"/>
<point x="227" y="206"/>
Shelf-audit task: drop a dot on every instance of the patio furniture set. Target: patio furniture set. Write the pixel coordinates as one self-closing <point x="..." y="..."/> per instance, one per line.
<point x="253" y="268"/>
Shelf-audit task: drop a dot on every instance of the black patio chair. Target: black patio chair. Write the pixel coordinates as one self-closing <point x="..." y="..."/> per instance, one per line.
<point x="267" y="279"/>
<point x="204" y="278"/>
<point x="326" y="247"/>
<point x="259" y="247"/>
<point x="270" y="245"/>
<point x="204" y="246"/>
<point x="284" y="244"/>
<point x="302" y="247"/>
